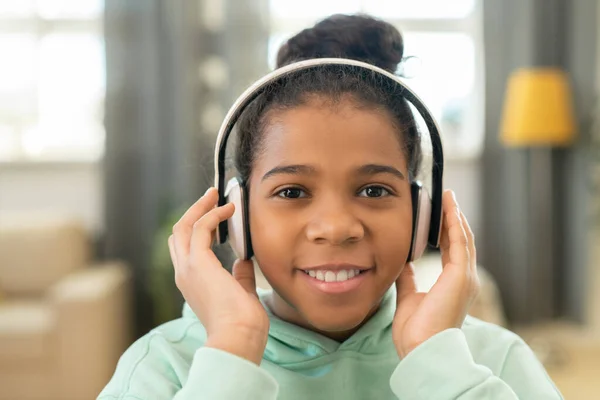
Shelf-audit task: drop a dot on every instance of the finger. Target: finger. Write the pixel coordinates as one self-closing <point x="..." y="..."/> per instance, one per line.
<point x="471" y="241"/>
<point x="458" y="251"/>
<point x="171" y="244"/>
<point x="203" y="229"/>
<point x="182" y="230"/>
<point x="243" y="272"/>
<point x="406" y="283"/>
<point x="444" y="242"/>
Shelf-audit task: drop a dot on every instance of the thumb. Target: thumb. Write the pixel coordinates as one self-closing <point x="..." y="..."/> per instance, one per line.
<point x="406" y="283"/>
<point x="243" y="272"/>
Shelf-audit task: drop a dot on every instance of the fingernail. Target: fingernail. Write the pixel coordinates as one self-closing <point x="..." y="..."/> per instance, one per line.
<point x="207" y="190"/>
<point x="453" y="196"/>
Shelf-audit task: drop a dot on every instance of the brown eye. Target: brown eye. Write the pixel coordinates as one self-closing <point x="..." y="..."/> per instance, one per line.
<point x="291" y="193"/>
<point x="374" y="191"/>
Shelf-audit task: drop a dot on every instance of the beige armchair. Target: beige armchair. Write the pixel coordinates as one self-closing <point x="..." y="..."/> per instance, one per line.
<point x="64" y="321"/>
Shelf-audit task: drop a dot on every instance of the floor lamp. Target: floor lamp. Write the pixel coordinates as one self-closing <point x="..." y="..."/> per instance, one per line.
<point x="538" y="115"/>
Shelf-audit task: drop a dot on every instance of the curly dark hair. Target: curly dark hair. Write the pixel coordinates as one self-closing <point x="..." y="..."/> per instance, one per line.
<point x="357" y="37"/>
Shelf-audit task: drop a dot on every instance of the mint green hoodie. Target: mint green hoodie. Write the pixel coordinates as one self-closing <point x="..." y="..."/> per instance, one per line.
<point x="479" y="361"/>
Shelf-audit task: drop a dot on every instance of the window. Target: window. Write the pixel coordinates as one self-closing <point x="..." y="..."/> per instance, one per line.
<point x="444" y="50"/>
<point x="52" y="80"/>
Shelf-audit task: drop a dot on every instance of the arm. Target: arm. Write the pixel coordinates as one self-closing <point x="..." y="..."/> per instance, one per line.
<point x="152" y="369"/>
<point x="443" y="368"/>
<point x="216" y="374"/>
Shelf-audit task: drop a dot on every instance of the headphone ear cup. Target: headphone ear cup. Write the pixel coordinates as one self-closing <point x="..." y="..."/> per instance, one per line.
<point x="236" y="225"/>
<point x="421" y="220"/>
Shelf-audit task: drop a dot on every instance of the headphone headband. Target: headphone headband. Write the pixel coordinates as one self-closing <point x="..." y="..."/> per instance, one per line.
<point x="259" y="86"/>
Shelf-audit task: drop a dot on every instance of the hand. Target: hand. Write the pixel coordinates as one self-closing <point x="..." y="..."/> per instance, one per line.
<point x="227" y="305"/>
<point x="419" y="316"/>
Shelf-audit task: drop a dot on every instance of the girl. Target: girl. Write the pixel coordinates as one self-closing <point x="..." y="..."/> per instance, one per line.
<point x="327" y="157"/>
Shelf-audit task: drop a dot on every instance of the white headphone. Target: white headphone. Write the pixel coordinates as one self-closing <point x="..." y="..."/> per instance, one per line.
<point x="427" y="208"/>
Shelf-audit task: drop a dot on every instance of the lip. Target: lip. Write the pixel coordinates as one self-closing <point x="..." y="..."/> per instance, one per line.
<point x="346" y="286"/>
<point x="335" y="267"/>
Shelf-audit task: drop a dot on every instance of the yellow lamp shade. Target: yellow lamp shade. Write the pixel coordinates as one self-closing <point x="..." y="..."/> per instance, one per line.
<point x="538" y="109"/>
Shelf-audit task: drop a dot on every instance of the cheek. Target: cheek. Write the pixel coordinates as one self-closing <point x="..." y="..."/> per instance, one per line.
<point x="392" y="237"/>
<point x="273" y="236"/>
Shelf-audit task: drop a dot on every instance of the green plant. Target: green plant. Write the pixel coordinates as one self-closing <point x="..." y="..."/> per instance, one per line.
<point x="166" y="298"/>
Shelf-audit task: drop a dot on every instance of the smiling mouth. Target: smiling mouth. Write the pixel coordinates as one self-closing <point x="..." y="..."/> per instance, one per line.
<point x="340" y="275"/>
<point x="336" y="279"/>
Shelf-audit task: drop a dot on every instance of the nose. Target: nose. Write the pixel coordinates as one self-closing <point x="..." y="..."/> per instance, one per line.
<point x="333" y="222"/>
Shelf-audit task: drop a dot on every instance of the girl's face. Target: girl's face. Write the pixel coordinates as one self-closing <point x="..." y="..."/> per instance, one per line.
<point x="330" y="195"/>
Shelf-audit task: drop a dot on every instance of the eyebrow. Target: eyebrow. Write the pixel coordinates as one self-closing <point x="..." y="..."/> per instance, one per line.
<point x="294" y="169"/>
<point x="373" y="169"/>
<point x="367" y="169"/>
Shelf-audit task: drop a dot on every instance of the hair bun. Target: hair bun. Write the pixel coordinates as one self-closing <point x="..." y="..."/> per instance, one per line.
<point x="357" y="37"/>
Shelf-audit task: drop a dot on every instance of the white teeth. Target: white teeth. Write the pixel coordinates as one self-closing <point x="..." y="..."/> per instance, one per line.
<point x="342" y="276"/>
<point x="330" y="276"/>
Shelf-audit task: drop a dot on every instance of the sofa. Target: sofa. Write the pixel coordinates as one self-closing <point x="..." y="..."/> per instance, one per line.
<point x="64" y="319"/>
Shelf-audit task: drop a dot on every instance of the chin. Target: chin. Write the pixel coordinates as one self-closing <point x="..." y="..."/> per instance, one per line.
<point x="337" y="320"/>
<point x="335" y="316"/>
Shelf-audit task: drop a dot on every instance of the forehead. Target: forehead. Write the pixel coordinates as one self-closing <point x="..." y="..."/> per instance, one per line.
<point x="340" y="132"/>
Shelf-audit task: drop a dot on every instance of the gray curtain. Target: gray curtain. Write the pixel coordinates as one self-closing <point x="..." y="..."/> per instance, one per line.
<point x="535" y="245"/>
<point x="173" y="69"/>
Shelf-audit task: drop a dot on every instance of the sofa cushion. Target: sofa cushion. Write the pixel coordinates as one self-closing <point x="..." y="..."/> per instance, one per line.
<point x="37" y="250"/>
<point x="26" y="332"/>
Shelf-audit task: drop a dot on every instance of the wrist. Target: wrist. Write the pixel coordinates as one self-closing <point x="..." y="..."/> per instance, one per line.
<point x="245" y="343"/>
<point x="406" y="347"/>
<point x="403" y="352"/>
